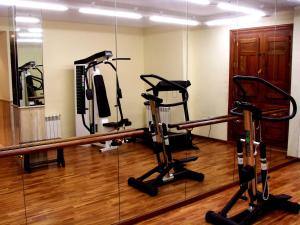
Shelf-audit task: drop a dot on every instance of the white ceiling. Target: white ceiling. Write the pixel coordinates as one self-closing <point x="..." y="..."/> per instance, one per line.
<point x="178" y="8"/>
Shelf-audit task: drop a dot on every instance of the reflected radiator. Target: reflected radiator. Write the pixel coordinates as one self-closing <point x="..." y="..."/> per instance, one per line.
<point x="164" y="112"/>
<point x="53" y="126"/>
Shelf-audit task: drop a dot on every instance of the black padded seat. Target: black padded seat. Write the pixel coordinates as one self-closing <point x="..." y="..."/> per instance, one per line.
<point x="115" y="125"/>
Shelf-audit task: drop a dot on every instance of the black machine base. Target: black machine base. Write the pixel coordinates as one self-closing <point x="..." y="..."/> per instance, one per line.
<point x="247" y="217"/>
<point x="150" y="187"/>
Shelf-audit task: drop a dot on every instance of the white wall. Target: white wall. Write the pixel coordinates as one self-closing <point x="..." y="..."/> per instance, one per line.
<point x="208" y="68"/>
<point x="294" y="126"/>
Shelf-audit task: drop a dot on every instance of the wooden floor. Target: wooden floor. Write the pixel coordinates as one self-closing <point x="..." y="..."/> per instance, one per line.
<point x="92" y="188"/>
<point x="280" y="183"/>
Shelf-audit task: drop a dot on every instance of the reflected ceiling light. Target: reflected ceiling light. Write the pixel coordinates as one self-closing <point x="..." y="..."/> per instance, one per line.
<point x="173" y="20"/>
<point x="18" y="29"/>
<point x="31" y="35"/>
<point x="29" y="40"/>
<point x="34" y="5"/>
<point x="199" y="2"/>
<point x="25" y="19"/>
<point x="114" y="13"/>
<point x="241" y="9"/>
<point x="35" y="30"/>
<point x="231" y="21"/>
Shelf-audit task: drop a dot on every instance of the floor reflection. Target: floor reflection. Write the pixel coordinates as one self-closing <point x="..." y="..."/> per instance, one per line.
<point x="86" y="191"/>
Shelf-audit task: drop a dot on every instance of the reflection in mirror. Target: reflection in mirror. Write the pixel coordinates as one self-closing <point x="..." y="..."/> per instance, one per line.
<point x="12" y="209"/>
<point x="233" y="40"/>
<point x="156" y="45"/>
<point x="29" y="38"/>
<point x="5" y="122"/>
<point x="199" y="44"/>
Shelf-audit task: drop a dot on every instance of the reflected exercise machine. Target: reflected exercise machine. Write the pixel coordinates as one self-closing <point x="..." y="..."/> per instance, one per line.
<point x="168" y="169"/>
<point x="177" y="140"/>
<point x="91" y="96"/>
<point x="260" y="202"/>
<point x="30" y="85"/>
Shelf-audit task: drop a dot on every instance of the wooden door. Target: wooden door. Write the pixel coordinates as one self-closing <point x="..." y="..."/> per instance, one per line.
<point x="264" y="52"/>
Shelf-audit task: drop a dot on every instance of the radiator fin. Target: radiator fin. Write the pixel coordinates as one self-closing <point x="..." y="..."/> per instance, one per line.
<point x="164" y="112"/>
<point x="53" y="126"/>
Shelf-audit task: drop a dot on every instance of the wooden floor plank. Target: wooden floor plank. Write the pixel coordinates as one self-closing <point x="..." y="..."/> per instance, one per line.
<point x="92" y="188"/>
<point x="283" y="181"/>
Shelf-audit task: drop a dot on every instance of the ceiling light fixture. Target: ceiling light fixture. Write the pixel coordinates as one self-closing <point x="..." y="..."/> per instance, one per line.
<point x="25" y="19"/>
<point x="199" y="2"/>
<point x="35" y="30"/>
<point x="29" y="40"/>
<point x="232" y="21"/>
<point x="241" y="9"/>
<point x="114" y="13"/>
<point x="173" y="20"/>
<point x="31" y="35"/>
<point x="34" y="5"/>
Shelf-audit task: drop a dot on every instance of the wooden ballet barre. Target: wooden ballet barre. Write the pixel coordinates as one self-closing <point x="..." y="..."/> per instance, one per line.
<point x="218" y="119"/>
<point x="66" y="142"/>
<point x="175" y="125"/>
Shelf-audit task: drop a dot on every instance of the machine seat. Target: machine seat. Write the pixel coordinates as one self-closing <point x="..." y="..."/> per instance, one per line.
<point x="124" y="122"/>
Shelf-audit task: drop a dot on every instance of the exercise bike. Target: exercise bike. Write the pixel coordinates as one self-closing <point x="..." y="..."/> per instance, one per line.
<point x="168" y="169"/>
<point x="260" y="202"/>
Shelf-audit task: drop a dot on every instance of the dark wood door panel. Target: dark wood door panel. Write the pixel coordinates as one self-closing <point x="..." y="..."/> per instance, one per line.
<point x="263" y="52"/>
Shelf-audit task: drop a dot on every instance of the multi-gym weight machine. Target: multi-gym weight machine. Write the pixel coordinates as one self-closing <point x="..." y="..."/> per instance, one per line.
<point x="91" y="98"/>
<point x="248" y="146"/>
<point x="167" y="169"/>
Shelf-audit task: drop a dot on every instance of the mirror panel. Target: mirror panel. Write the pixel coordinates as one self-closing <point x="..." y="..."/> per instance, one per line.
<point x="155" y="47"/>
<point x="29" y="38"/>
<point x="206" y="54"/>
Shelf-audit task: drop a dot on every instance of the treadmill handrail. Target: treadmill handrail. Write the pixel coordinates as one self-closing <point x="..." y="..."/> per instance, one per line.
<point x="175" y="85"/>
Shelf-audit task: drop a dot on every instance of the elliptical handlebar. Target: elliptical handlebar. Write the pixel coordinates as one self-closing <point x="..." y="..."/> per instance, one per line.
<point x="146" y="77"/>
<point x="238" y="78"/>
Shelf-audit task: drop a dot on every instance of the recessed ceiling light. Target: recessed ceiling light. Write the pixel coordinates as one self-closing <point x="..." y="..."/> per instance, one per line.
<point x="29" y="40"/>
<point x="241" y="9"/>
<point x="232" y="21"/>
<point x="173" y="20"/>
<point x="114" y="13"/>
<point x="31" y="35"/>
<point x="199" y="2"/>
<point x="35" y="30"/>
<point x="25" y="19"/>
<point x="34" y="5"/>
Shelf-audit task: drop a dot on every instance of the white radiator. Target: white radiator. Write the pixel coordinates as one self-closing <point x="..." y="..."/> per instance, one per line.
<point x="53" y="126"/>
<point x="164" y="112"/>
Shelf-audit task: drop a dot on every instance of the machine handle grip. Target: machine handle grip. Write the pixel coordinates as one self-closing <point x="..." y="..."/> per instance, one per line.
<point x="184" y="91"/>
<point x="238" y="78"/>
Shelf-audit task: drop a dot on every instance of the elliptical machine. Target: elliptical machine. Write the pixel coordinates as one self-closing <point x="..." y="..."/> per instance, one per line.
<point x="260" y="202"/>
<point x="91" y="96"/>
<point x="168" y="169"/>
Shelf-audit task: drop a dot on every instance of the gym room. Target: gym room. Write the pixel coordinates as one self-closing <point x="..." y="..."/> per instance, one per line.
<point x="149" y="112"/>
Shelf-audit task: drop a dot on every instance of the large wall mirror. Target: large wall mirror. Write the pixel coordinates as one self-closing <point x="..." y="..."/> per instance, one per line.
<point x="76" y="70"/>
<point x="29" y="41"/>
